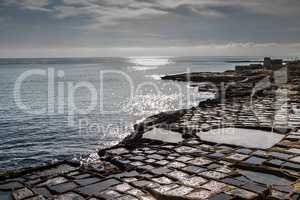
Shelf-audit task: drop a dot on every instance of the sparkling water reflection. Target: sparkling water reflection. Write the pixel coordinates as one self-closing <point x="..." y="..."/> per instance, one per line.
<point x="27" y="139"/>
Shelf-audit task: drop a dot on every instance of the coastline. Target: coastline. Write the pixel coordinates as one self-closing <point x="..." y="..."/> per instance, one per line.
<point x="142" y="168"/>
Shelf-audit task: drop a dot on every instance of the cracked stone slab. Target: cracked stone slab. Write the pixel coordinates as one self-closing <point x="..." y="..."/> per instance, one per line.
<point x="22" y="193"/>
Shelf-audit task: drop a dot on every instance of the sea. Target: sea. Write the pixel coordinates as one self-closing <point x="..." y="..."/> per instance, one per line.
<point x="69" y="108"/>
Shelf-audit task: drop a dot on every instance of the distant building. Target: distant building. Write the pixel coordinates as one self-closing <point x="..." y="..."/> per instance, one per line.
<point x="272" y="64"/>
<point x="267" y="62"/>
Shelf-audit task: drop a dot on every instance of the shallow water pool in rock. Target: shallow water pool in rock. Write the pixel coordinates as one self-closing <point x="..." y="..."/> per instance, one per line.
<point x="265" y="178"/>
<point x="5" y="195"/>
<point x="250" y="138"/>
<point x="163" y="135"/>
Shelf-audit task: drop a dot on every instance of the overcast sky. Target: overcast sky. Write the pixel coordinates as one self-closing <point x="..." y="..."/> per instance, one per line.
<point x="57" y="28"/>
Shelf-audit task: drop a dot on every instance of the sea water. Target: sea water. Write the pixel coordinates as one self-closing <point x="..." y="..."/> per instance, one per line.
<point x="38" y="120"/>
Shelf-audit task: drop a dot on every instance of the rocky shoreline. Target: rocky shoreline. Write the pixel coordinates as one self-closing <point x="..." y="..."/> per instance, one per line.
<point x="144" y="168"/>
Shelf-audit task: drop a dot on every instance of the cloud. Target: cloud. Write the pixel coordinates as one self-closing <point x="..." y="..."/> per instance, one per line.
<point x="109" y="12"/>
<point x="106" y="12"/>
<point x="2" y="19"/>
<point x="40" y="5"/>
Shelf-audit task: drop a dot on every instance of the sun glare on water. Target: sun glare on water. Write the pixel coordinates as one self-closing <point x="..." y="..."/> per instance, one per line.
<point x="150" y="61"/>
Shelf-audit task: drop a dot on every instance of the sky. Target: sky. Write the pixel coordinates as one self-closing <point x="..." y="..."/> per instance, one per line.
<point x="88" y="28"/>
